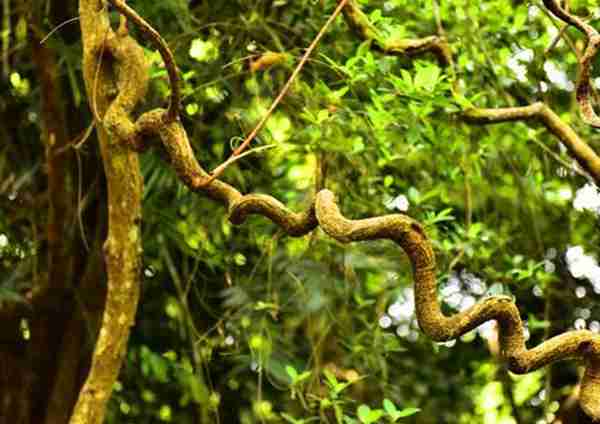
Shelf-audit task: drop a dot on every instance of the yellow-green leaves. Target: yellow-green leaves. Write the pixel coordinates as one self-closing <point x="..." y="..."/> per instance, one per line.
<point x="427" y="76"/>
<point x="204" y="50"/>
<point x="19" y="84"/>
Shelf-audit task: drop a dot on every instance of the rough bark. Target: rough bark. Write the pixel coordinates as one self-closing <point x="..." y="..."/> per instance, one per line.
<point x="582" y="345"/>
<point x="406" y="232"/>
<point x="116" y="77"/>
<point x="584" y="79"/>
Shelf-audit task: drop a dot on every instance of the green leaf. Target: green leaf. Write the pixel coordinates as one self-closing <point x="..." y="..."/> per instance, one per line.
<point x="291" y="372"/>
<point x="389" y="406"/>
<point x="364" y="48"/>
<point x="367" y="415"/>
<point x="364" y="413"/>
<point x="322" y="116"/>
<point x="203" y="51"/>
<point x="407" y="78"/>
<point x="331" y="380"/>
<point x="463" y="102"/>
<point x="407" y="412"/>
<point x="358" y="145"/>
<point x="427" y="76"/>
<point x="303" y="376"/>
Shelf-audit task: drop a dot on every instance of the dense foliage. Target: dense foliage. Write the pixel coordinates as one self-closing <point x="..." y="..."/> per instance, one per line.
<point x="243" y="324"/>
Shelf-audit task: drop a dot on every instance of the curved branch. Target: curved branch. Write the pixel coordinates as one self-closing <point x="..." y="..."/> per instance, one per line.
<point x="577" y="147"/>
<point x="163" y="49"/>
<point x="127" y="73"/>
<point x="294" y="224"/>
<point x="175" y="140"/>
<point x="568" y="18"/>
<point x="410" y="236"/>
<point x="584" y="84"/>
<point x="362" y="26"/>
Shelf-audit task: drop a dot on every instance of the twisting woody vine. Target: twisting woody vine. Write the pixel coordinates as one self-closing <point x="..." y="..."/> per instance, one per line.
<point x="114" y="94"/>
<point x="584" y="85"/>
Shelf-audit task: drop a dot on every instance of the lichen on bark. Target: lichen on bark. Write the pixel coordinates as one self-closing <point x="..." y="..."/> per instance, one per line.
<point x="116" y="78"/>
<point x="583" y="345"/>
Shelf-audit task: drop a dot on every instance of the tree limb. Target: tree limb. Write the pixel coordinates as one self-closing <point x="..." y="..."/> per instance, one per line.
<point x="584" y="84"/>
<point x="359" y="22"/>
<point x="577" y="147"/>
<point x="410" y="236"/>
<point x="165" y="53"/>
<point x="175" y="140"/>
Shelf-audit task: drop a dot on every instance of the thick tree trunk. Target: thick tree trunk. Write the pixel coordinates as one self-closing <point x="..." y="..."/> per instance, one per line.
<point x="113" y="63"/>
<point x="53" y="323"/>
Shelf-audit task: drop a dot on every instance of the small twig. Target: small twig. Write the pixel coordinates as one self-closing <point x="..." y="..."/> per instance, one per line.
<point x="6" y="30"/>
<point x="77" y="142"/>
<point x="76" y="146"/>
<point x="219" y="169"/>
<point x="241" y="59"/>
<point x="79" y="201"/>
<point x="232" y="159"/>
<point x="558" y="37"/>
<point x="584" y="89"/>
<point x="56" y="28"/>
<point x="438" y="19"/>
<point x="562" y="31"/>
<point x="86" y="135"/>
